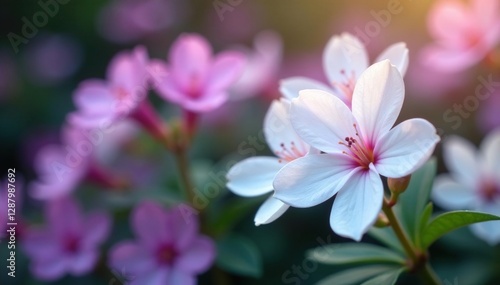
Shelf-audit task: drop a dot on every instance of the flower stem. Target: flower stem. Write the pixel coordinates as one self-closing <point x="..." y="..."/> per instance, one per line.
<point x="418" y="261"/>
<point x="183" y="167"/>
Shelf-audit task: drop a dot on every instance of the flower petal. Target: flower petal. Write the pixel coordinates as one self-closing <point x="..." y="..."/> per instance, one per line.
<point x="490" y="150"/>
<point x="398" y="55"/>
<point x="179" y="277"/>
<point x="157" y="276"/>
<point x="39" y="243"/>
<point x="405" y="148"/>
<point x="129" y="258"/>
<point x="84" y="262"/>
<point x="312" y="179"/>
<point x="343" y="55"/>
<point x="357" y="205"/>
<point x="49" y="269"/>
<point x="97" y="229"/>
<point x="321" y="120"/>
<point x="489" y="231"/>
<point x="448" y="20"/>
<point x="64" y="217"/>
<point x="189" y="59"/>
<point x="253" y="176"/>
<point x="278" y="129"/>
<point x="183" y="225"/>
<point x="150" y="224"/>
<point x="377" y="100"/>
<point x="198" y="257"/>
<point x="208" y="102"/>
<point x="93" y="96"/>
<point x="226" y="69"/>
<point x="270" y="210"/>
<point x="461" y="158"/>
<point x="449" y="194"/>
<point x="290" y="87"/>
<point x="128" y="70"/>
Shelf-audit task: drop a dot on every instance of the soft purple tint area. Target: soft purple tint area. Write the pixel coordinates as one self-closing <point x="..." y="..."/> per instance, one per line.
<point x="68" y="242"/>
<point x="488" y="116"/>
<point x="125" y="21"/>
<point x="8" y="74"/>
<point x="168" y="247"/>
<point x="49" y="59"/>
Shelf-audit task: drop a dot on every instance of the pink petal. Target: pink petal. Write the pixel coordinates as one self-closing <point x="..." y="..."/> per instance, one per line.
<point x="129" y="258"/>
<point x="208" y="102"/>
<point x="83" y="262"/>
<point x="150" y="224"/>
<point x="357" y="205"/>
<point x="159" y="276"/>
<point x="451" y="60"/>
<point x="179" y="277"/>
<point x="322" y="120"/>
<point x="94" y="96"/>
<point x="312" y="179"/>
<point x="189" y="59"/>
<point x="128" y="70"/>
<point x="486" y="13"/>
<point x="39" y="243"/>
<point x="64" y="217"/>
<point x="49" y="270"/>
<point x="226" y="69"/>
<point x="377" y="100"/>
<point x="198" y="257"/>
<point x="183" y="226"/>
<point x="97" y="229"/>
<point x="405" y="148"/>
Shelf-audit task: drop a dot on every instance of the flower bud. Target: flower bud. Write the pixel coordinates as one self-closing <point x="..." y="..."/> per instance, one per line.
<point x="382" y="221"/>
<point x="398" y="185"/>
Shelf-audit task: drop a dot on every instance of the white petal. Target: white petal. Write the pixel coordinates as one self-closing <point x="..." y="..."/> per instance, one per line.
<point x="321" y="120"/>
<point x="278" y="129"/>
<point x="405" y="148"/>
<point x="253" y="176"/>
<point x="489" y="231"/>
<point x="398" y="55"/>
<point x="270" y="210"/>
<point x="312" y="179"/>
<point x="357" y="205"/>
<point x="461" y="158"/>
<point x="344" y="53"/>
<point x="449" y="194"/>
<point x="377" y="100"/>
<point x="490" y="149"/>
<point x="290" y="87"/>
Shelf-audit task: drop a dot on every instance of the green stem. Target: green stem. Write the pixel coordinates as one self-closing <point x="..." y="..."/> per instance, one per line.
<point x="416" y="258"/>
<point x="183" y="167"/>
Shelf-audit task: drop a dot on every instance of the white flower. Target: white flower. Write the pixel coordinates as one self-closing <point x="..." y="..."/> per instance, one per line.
<point x="358" y="146"/>
<point x="254" y="176"/>
<point x="344" y="59"/>
<point x="473" y="182"/>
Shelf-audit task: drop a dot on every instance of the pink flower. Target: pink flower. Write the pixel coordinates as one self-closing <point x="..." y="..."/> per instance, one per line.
<point x="198" y="81"/>
<point x="68" y="243"/>
<point x="168" y="249"/>
<point x="101" y="102"/>
<point x="464" y="33"/>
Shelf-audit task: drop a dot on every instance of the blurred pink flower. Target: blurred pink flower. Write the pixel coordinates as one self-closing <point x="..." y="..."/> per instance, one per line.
<point x="168" y="249"/>
<point x="197" y="81"/>
<point x="129" y="20"/>
<point x="464" y="33"/>
<point x="261" y="71"/>
<point x="68" y="243"/>
<point x="53" y="58"/>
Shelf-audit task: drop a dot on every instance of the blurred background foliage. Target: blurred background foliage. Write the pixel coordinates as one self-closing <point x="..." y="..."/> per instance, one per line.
<point x="33" y="106"/>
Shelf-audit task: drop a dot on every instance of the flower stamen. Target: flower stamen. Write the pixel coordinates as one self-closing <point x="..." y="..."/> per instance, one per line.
<point x="347" y="85"/>
<point x="358" y="150"/>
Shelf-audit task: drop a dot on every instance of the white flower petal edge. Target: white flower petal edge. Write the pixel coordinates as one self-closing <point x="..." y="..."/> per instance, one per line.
<point x="320" y="119"/>
<point x="358" y="204"/>
<point x="398" y="55"/>
<point x="489" y="231"/>
<point x="377" y="100"/>
<point x="490" y="150"/>
<point x="313" y="179"/>
<point x="405" y="148"/>
<point x="253" y="176"/>
<point x="453" y="195"/>
<point x="269" y="211"/>
<point x="290" y="87"/>
<point x="461" y="159"/>
<point x="344" y="52"/>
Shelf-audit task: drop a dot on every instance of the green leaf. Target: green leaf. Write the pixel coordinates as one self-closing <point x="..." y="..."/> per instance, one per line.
<point x="388" y="278"/>
<point x="349" y="253"/>
<point x="357" y="275"/>
<point x="450" y="221"/>
<point x="231" y="213"/>
<point x="412" y="202"/>
<point x="240" y="256"/>
<point x="424" y="220"/>
<point x="387" y="237"/>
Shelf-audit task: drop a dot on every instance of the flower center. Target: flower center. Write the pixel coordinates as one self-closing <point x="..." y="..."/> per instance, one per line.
<point x="166" y="254"/>
<point x="288" y="154"/>
<point x="489" y="191"/>
<point x="71" y="244"/>
<point x="361" y="153"/>
<point x="121" y="93"/>
<point x="346" y="87"/>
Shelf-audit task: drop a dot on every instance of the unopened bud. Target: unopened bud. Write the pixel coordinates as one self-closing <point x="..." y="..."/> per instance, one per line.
<point x="382" y="221"/>
<point x="398" y="185"/>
